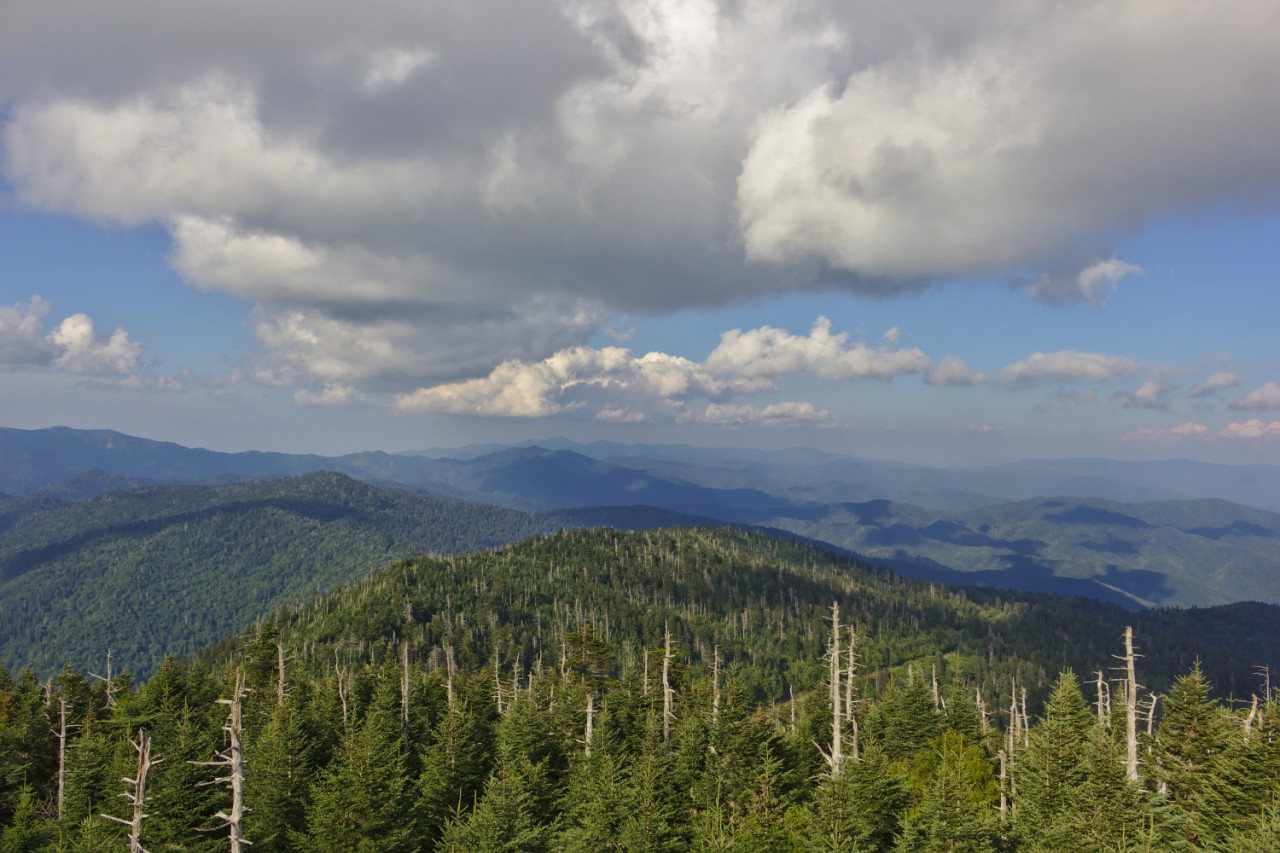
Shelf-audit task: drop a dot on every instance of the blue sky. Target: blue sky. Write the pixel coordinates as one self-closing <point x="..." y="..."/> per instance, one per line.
<point x="1028" y="230"/>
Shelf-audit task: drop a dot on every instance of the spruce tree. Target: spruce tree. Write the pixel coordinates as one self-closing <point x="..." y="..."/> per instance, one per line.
<point x="958" y="810"/>
<point x="1052" y="769"/>
<point x="506" y="819"/>
<point x="361" y="803"/>
<point x="1195" y="762"/>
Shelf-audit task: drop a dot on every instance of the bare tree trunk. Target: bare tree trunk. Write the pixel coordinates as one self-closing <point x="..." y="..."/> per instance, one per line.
<point x="715" y="684"/>
<point x="1130" y="708"/>
<point x="280" y="681"/>
<point x="342" y="690"/>
<point x="668" y="695"/>
<point x="110" y="684"/>
<point x="849" y="715"/>
<point x="233" y="760"/>
<point x="497" y="680"/>
<point x="450" y="665"/>
<point x="404" y="693"/>
<point x="138" y="797"/>
<point x="646" y="672"/>
<point x="1248" y="722"/>
<point x="1004" y="796"/>
<point x="1101" y="688"/>
<point x="591" y="719"/>
<point x="835" y="758"/>
<point x="1011" y="750"/>
<point x="61" y="734"/>
<point x="982" y="709"/>
<point x="1025" y="720"/>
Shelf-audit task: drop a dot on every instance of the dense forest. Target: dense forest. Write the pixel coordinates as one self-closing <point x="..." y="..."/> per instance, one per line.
<point x="667" y="690"/>
<point x="130" y="570"/>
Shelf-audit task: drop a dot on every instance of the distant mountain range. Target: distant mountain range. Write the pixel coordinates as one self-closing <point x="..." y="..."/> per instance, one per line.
<point x="1044" y="525"/>
<point x="1181" y="553"/>
<point x="169" y="569"/>
<point x="515" y="476"/>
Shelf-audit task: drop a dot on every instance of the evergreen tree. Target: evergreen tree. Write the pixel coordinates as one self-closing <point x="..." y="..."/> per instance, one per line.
<point x="506" y="819"/>
<point x="26" y="833"/>
<point x="454" y="768"/>
<point x="1194" y="761"/>
<point x="958" y="809"/>
<point x="361" y="803"/>
<point x="1052" y="770"/>
<point x="276" y="788"/>
<point x="596" y="805"/>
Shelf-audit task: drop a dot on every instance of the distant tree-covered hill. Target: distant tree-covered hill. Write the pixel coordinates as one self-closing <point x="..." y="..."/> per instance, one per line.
<point x="169" y="569"/>
<point x="952" y="525"/>
<point x="1164" y="553"/>
<point x="760" y="599"/>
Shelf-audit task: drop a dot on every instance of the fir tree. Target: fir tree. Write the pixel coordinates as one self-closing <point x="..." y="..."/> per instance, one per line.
<point x="361" y="803"/>
<point x="506" y="819"/>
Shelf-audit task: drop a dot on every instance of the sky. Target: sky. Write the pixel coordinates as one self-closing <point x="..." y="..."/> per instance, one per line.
<point x="937" y="232"/>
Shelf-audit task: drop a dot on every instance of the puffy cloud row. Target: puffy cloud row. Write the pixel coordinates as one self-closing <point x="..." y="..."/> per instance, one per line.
<point x="1252" y="429"/>
<point x="613" y="384"/>
<point x="606" y="379"/>
<point x="767" y="352"/>
<point x="73" y="346"/>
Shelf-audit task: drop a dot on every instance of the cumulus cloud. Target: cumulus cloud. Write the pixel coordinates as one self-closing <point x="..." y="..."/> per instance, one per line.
<point x="73" y="346"/>
<point x="767" y="352"/>
<point x="1263" y="399"/>
<point x="1252" y="428"/>
<point x="1095" y="283"/>
<point x="79" y="349"/>
<point x="1021" y="146"/>
<point x="1152" y="394"/>
<point x="774" y="414"/>
<point x="581" y="378"/>
<point x="22" y="333"/>
<point x="1217" y="382"/>
<point x="405" y="164"/>
<point x="953" y="371"/>
<point x="1067" y="366"/>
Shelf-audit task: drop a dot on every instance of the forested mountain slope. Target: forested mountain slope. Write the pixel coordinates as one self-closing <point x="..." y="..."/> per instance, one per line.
<point x="169" y="569"/>
<point x="663" y="690"/>
<point x="761" y="599"/>
<point x="1153" y="553"/>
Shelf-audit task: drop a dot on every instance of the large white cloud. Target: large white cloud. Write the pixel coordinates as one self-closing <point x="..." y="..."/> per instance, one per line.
<point x="1067" y="366"/>
<point x="73" y="346"/>
<point x="610" y="382"/>
<point x="767" y="352"/>
<point x="1018" y="147"/>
